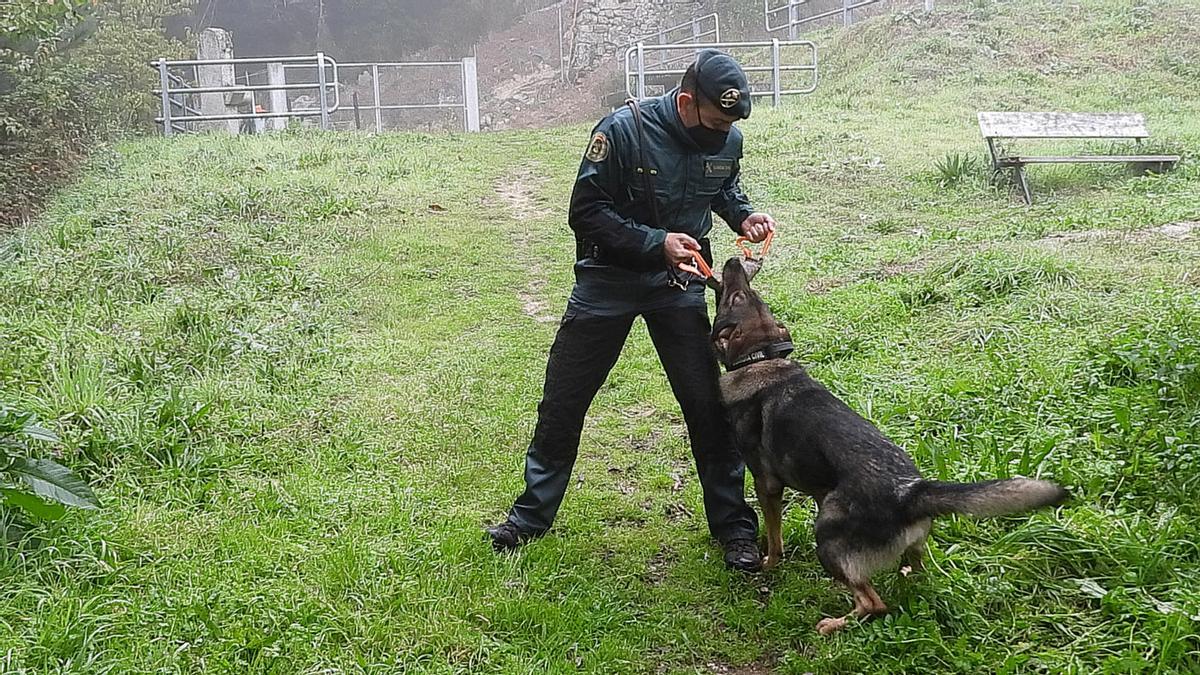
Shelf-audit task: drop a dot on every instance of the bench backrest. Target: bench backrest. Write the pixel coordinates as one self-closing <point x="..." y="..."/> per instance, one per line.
<point x="1062" y="125"/>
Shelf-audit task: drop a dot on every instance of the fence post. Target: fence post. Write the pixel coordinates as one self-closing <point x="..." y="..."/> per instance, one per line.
<point x="847" y="17"/>
<point x="928" y="5"/>
<point x="165" y="83"/>
<point x="562" y="54"/>
<point x="277" y="76"/>
<point x="322" y="96"/>
<point x="471" y="93"/>
<point x="215" y="47"/>
<point x="776" y="88"/>
<point x="641" y="63"/>
<point x="793" y="18"/>
<point x="375" y="87"/>
<point x="717" y="25"/>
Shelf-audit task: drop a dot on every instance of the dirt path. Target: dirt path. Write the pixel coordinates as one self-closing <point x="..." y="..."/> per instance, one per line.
<point x="516" y="192"/>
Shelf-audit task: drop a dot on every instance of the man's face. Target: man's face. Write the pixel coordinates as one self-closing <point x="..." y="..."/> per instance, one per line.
<point x="697" y="110"/>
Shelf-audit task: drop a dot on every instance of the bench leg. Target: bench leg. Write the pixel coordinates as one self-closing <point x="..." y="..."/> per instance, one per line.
<point x="1020" y="171"/>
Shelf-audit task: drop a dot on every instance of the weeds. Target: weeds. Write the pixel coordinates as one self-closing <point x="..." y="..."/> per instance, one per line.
<point x="955" y="168"/>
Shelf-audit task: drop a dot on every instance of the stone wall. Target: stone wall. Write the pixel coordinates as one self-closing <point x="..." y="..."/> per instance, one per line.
<point x="602" y="27"/>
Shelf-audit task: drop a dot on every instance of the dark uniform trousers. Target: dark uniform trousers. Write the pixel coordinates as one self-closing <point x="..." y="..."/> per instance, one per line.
<point x="584" y="351"/>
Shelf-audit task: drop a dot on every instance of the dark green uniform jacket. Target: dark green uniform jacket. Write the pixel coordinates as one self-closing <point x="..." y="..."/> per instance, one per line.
<point x="619" y="266"/>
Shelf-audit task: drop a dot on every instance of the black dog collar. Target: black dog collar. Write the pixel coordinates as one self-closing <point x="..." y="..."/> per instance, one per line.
<point x="777" y="350"/>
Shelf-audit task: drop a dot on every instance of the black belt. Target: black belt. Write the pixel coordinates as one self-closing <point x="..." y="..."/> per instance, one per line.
<point x="586" y="248"/>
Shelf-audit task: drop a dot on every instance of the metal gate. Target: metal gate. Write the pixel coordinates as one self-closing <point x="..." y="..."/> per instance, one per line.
<point x="775" y="68"/>
<point x="702" y="30"/>
<point x="445" y="85"/>
<point x="205" y="94"/>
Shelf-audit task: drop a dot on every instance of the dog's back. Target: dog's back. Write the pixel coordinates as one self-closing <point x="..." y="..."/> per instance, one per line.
<point x="797" y="430"/>
<point x="813" y="442"/>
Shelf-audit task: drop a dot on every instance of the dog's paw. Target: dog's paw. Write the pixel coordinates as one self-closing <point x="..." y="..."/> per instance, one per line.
<point x="831" y="625"/>
<point x="906" y="570"/>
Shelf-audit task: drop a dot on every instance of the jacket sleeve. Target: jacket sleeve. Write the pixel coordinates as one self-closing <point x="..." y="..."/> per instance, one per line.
<point x="731" y="203"/>
<point x="593" y="213"/>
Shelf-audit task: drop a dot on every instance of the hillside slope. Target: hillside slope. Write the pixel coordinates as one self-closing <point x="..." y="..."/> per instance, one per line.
<point x="301" y="371"/>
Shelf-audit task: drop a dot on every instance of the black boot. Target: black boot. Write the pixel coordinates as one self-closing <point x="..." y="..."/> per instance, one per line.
<point x="743" y="555"/>
<point x="507" y="536"/>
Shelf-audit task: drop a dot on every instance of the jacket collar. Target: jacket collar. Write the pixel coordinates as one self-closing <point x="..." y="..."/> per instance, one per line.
<point x="674" y="121"/>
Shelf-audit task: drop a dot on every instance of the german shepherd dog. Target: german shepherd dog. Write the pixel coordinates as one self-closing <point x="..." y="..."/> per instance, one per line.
<point x="874" y="508"/>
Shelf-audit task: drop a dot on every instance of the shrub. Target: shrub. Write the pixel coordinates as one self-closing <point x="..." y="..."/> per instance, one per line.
<point x="39" y="487"/>
<point x="71" y="83"/>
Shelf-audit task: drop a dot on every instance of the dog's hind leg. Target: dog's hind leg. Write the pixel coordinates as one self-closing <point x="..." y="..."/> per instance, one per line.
<point x="914" y="558"/>
<point x="770" y="498"/>
<point x="851" y="561"/>
<point x="867" y="603"/>
<point x="914" y="553"/>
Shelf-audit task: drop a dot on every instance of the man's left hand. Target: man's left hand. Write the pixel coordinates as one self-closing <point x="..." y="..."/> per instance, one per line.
<point x="757" y="226"/>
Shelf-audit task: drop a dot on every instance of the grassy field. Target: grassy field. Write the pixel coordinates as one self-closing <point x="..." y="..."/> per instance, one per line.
<point x="301" y="371"/>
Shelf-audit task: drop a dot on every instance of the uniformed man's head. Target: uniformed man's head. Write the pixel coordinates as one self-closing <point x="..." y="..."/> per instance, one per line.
<point x="713" y="94"/>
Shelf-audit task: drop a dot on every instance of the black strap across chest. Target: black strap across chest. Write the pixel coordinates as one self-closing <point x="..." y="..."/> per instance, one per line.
<point x="645" y="169"/>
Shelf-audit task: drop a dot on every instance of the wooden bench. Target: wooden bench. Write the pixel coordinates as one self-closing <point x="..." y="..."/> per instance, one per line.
<point x="997" y="125"/>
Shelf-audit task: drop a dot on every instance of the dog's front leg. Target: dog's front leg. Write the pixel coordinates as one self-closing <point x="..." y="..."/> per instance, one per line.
<point x="770" y="498"/>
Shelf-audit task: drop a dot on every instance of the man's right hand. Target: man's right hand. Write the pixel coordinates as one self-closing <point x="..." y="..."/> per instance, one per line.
<point x="678" y="248"/>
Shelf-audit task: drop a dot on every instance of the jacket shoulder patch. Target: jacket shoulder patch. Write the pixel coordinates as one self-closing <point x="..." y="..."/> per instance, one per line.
<point x="598" y="149"/>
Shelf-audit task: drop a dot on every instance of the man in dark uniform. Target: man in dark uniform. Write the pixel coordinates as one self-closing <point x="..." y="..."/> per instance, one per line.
<point x="629" y="255"/>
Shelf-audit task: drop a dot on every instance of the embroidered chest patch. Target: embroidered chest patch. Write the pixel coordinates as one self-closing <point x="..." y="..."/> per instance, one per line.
<point x="718" y="168"/>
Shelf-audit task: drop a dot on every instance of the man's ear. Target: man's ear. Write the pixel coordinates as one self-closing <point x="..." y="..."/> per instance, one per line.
<point x="687" y="101"/>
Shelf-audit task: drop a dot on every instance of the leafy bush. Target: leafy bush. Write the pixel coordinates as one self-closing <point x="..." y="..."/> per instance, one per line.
<point x="40" y="487"/>
<point x="71" y="82"/>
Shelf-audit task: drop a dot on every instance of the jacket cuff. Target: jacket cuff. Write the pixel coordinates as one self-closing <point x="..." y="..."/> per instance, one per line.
<point x="652" y="247"/>
<point x="739" y="217"/>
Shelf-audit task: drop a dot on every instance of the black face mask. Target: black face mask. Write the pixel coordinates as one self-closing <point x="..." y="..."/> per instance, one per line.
<point x="710" y="141"/>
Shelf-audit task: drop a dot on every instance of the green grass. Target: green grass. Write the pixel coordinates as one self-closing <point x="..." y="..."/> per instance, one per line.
<point x="300" y="390"/>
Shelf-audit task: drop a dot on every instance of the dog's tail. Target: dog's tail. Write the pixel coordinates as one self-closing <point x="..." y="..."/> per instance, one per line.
<point x="988" y="498"/>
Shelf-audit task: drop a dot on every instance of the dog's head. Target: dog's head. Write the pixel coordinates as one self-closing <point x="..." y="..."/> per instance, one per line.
<point x="744" y="330"/>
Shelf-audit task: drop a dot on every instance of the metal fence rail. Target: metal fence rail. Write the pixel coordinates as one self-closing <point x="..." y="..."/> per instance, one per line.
<point x="467" y="102"/>
<point x="700" y="30"/>
<point x="792" y="14"/>
<point x="757" y="59"/>
<point x="182" y="110"/>
<point x="174" y="91"/>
